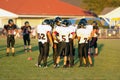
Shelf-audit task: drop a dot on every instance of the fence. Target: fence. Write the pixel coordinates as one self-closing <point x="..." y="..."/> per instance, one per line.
<point x="109" y="33"/>
<point x="104" y="33"/>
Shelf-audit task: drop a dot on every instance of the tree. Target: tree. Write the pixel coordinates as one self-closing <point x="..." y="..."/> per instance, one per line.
<point x="98" y="5"/>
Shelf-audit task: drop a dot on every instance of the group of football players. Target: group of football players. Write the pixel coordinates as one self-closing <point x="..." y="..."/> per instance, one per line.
<point x="60" y="34"/>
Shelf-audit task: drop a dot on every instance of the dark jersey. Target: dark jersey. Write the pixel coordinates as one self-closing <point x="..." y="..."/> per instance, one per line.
<point x="10" y="29"/>
<point x="26" y="30"/>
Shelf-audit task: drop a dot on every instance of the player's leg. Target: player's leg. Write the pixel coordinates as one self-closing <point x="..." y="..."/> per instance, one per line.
<point x="71" y="54"/>
<point x="93" y="43"/>
<point x="40" y="57"/>
<point x="86" y="47"/>
<point x="61" y="47"/>
<point x="25" y="43"/>
<point x="12" y="45"/>
<point x="8" y="45"/>
<point x="80" y="54"/>
<point x="90" y="51"/>
<point x="48" y="50"/>
<point x="66" y="48"/>
<point x="29" y="45"/>
<point x="96" y="49"/>
<point x="89" y="55"/>
<point x="58" y="54"/>
<point x="68" y="57"/>
<point x="45" y="55"/>
<point x="55" y="48"/>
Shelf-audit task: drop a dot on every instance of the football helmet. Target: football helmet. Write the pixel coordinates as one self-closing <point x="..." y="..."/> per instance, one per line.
<point x="46" y="22"/>
<point x="58" y="19"/>
<point x="65" y="22"/>
<point x="83" y="22"/>
<point x="10" y="20"/>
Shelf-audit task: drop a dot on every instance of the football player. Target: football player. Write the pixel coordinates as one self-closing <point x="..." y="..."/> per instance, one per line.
<point x="26" y="30"/>
<point x="89" y="28"/>
<point x="72" y="36"/>
<point x="95" y="34"/>
<point x="44" y="38"/>
<point x="11" y="30"/>
<point x="63" y="45"/>
<point x="83" y="38"/>
<point x="55" y="35"/>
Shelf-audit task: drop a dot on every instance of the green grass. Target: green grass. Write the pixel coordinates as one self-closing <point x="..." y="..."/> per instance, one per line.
<point x="106" y="64"/>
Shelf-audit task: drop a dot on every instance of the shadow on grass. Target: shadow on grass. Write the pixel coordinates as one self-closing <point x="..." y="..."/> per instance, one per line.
<point x="35" y="48"/>
<point x="19" y="52"/>
<point x="2" y="55"/>
<point x="2" y="51"/>
<point x="76" y="59"/>
<point x="100" y="47"/>
<point x="19" y="49"/>
<point x="3" y="47"/>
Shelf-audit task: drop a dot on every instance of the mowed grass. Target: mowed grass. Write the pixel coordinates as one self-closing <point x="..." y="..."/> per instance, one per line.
<point x="106" y="64"/>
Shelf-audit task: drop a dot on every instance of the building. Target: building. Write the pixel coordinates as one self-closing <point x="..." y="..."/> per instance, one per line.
<point x="111" y="16"/>
<point x="35" y="11"/>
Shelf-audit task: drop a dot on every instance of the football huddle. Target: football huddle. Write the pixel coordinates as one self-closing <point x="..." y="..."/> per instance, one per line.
<point x="60" y="35"/>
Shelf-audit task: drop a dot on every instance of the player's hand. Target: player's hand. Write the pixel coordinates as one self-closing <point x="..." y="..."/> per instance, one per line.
<point x="29" y="29"/>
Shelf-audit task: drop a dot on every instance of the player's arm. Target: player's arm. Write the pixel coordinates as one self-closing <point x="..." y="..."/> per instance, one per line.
<point x="29" y="29"/>
<point x="74" y="35"/>
<point x="50" y="37"/>
<point x="97" y="32"/>
<point x="38" y="35"/>
<point x="91" y="35"/>
<point x="78" y="35"/>
<point x="54" y="34"/>
<point x="4" y="29"/>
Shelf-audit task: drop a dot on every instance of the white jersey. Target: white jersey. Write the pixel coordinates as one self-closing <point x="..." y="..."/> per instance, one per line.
<point x="42" y="31"/>
<point x="54" y="30"/>
<point x="84" y="34"/>
<point x="89" y="28"/>
<point x="64" y="33"/>
<point x="72" y="30"/>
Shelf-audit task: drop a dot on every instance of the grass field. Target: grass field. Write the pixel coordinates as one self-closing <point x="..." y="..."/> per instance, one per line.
<point x="106" y="64"/>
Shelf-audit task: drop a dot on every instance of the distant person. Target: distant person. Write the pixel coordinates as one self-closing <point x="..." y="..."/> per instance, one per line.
<point x="11" y="30"/>
<point x="95" y="34"/>
<point x="26" y="30"/>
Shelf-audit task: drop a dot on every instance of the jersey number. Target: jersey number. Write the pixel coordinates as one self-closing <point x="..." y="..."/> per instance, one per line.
<point x="63" y="38"/>
<point x="42" y="36"/>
